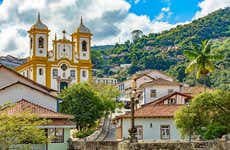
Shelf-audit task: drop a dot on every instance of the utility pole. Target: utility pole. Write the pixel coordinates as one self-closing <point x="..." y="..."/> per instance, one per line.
<point x="133" y="130"/>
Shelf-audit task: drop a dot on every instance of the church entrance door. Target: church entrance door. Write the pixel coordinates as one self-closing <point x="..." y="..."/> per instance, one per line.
<point x="63" y="85"/>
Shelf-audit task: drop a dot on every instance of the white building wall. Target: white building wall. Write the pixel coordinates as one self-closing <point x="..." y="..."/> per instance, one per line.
<point x="154" y="131"/>
<point x="160" y="92"/>
<point x="18" y="92"/>
<point x="64" y="75"/>
<point x="7" y="78"/>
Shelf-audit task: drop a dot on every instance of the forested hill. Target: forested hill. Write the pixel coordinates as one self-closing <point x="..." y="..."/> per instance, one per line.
<point x="164" y="51"/>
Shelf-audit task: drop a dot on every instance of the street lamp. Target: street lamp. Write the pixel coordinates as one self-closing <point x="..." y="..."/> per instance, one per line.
<point x="189" y="127"/>
<point x="133" y="130"/>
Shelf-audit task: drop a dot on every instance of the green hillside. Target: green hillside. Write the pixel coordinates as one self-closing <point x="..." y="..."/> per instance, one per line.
<point x="164" y="51"/>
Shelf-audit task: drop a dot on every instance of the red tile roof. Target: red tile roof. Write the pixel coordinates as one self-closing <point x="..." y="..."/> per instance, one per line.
<point x="31" y="81"/>
<point x="160" y="81"/>
<point x="152" y="111"/>
<point x="27" y="85"/>
<point x="156" y="109"/>
<point x="26" y="106"/>
<point x="194" y="90"/>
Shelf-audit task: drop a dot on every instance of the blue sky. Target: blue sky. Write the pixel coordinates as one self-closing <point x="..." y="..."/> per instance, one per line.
<point x="181" y="10"/>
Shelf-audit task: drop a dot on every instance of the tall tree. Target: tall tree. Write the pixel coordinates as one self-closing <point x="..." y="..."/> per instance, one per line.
<point x="84" y="103"/>
<point x="201" y="59"/>
<point x="208" y="115"/>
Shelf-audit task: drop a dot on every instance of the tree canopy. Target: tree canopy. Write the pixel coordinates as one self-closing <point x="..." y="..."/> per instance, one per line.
<point x="21" y="129"/>
<point x="88" y="102"/>
<point x="208" y="115"/>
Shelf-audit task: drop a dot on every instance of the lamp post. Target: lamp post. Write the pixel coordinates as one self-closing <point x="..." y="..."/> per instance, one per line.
<point x="133" y="130"/>
<point x="189" y="127"/>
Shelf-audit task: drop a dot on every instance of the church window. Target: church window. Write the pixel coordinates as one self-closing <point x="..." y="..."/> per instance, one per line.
<point x="40" y="71"/>
<point x="72" y="73"/>
<point x="64" y="67"/>
<point x="84" y="46"/>
<point x="41" y="42"/>
<point x="84" y="73"/>
<point x="55" y="73"/>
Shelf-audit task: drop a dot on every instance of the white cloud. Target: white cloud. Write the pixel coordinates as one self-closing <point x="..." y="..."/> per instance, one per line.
<point x="109" y="21"/>
<point x="165" y="9"/>
<point x="208" y="6"/>
<point x="136" y="1"/>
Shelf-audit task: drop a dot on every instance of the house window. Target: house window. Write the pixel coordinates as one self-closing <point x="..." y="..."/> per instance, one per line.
<point x="72" y="73"/>
<point x="57" y="135"/>
<point x="165" y="132"/>
<point x="55" y="73"/>
<point x="153" y="93"/>
<point x="170" y="91"/>
<point x="84" y="73"/>
<point x="41" y="42"/>
<point x="40" y="71"/>
<point x="139" y="132"/>
<point x="172" y="101"/>
<point x="84" y="46"/>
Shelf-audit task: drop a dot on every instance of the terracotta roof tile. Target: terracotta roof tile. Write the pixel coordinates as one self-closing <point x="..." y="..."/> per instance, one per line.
<point x="31" y="81"/>
<point x="194" y="90"/>
<point x="24" y="105"/>
<point x="157" y="109"/>
<point x="160" y="81"/>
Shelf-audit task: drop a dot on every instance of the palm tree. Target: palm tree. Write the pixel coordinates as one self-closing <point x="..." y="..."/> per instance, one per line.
<point x="201" y="60"/>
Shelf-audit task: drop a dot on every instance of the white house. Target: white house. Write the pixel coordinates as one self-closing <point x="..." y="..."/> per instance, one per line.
<point x="14" y="87"/>
<point x="157" y="88"/>
<point x="111" y="81"/>
<point x="37" y="99"/>
<point x="153" y="120"/>
<point x="152" y="84"/>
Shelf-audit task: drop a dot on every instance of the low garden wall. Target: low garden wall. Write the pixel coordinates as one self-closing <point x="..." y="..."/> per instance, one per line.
<point x="151" y="145"/>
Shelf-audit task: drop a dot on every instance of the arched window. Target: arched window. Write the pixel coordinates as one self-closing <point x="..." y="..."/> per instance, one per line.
<point x="41" y="42"/>
<point x="84" y="46"/>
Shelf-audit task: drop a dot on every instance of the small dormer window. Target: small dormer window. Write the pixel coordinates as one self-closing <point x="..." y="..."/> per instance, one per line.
<point x="172" y="101"/>
<point x="84" y="46"/>
<point x="41" y="42"/>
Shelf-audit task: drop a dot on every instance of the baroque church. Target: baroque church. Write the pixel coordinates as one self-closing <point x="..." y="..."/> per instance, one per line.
<point x="66" y="63"/>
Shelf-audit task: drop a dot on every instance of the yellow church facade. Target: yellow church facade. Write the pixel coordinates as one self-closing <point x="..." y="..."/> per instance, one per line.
<point x="67" y="63"/>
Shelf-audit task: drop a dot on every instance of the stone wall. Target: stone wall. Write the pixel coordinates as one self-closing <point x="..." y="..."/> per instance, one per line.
<point x="94" y="145"/>
<point x="151" y="145"/>
<point x="177" y="145"/>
